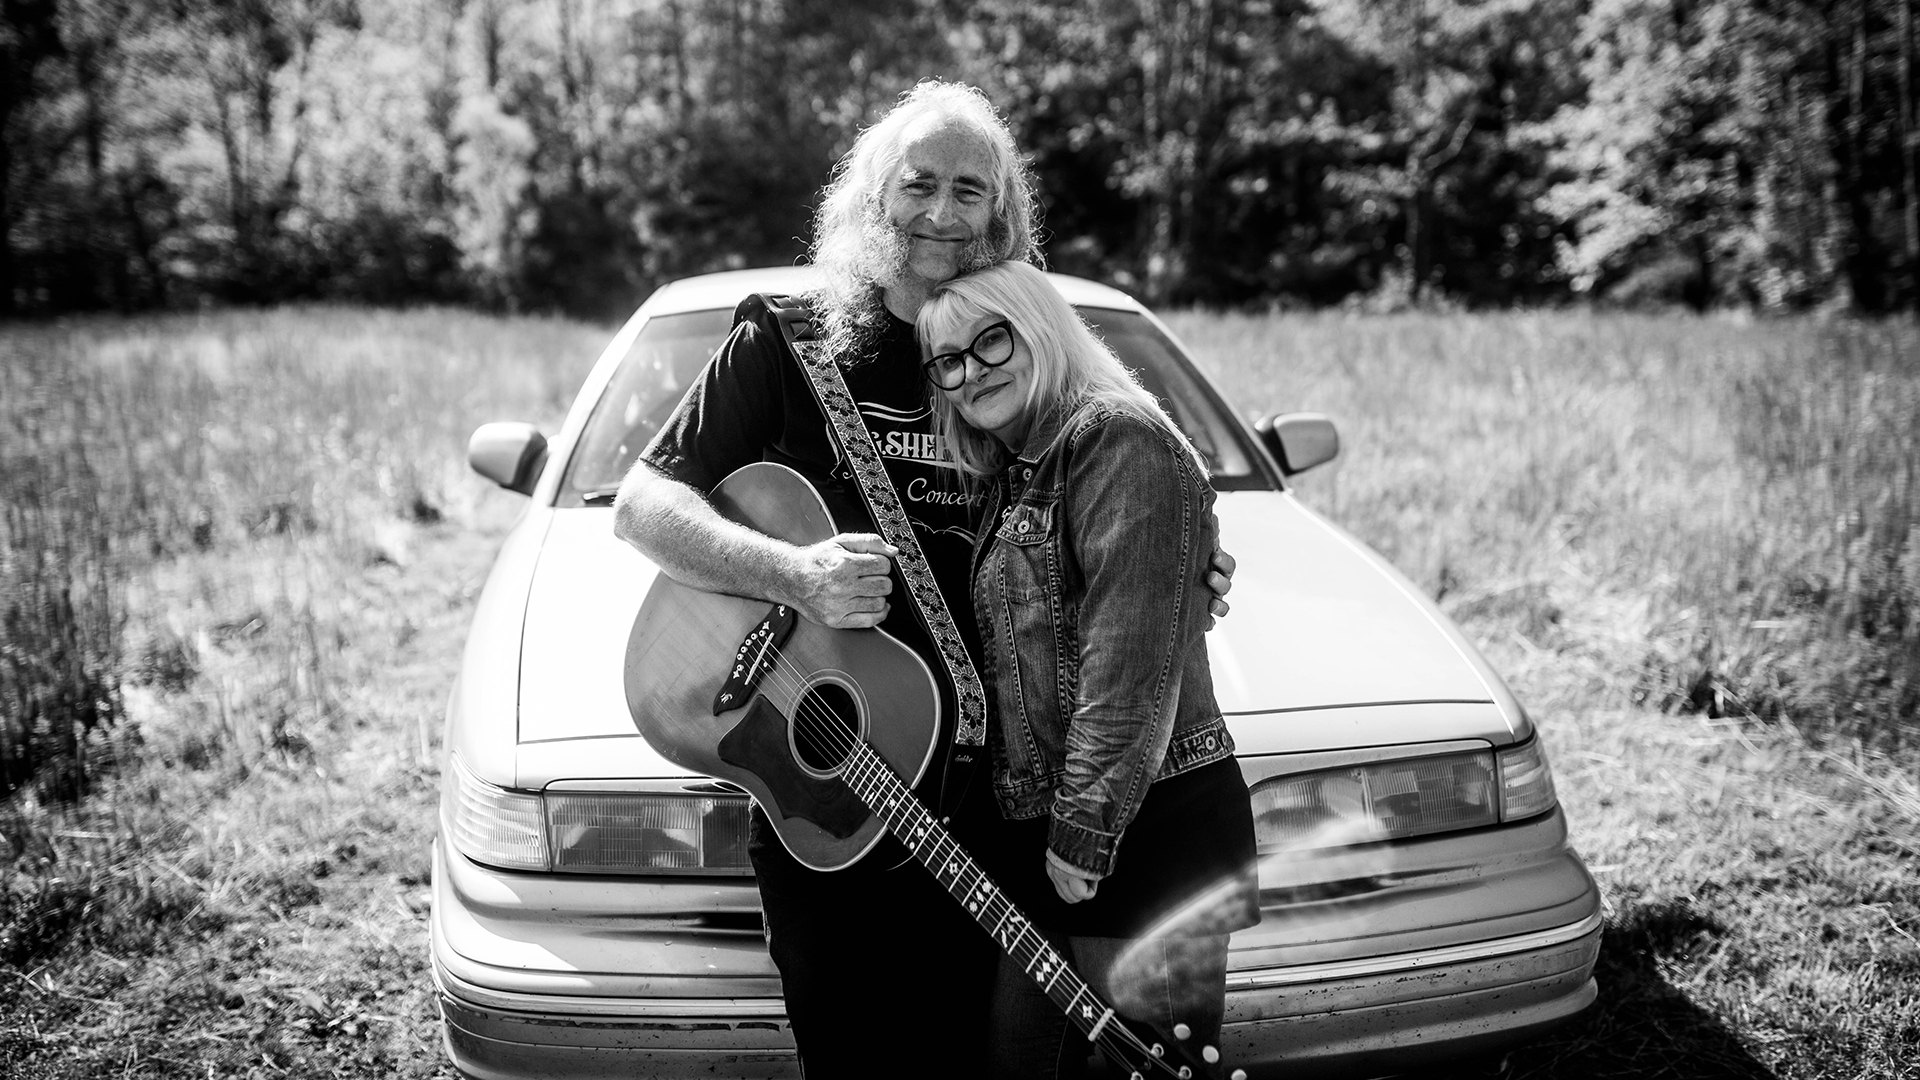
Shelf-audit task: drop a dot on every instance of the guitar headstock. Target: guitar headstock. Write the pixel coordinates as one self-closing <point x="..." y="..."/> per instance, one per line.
<point x="1145" y="1052"/>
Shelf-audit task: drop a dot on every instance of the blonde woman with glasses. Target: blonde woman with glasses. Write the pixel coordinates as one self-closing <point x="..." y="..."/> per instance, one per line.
<point x="1128" y="835"/>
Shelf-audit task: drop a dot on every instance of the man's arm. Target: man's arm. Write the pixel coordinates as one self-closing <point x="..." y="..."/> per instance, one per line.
<point x="840" y="582"/>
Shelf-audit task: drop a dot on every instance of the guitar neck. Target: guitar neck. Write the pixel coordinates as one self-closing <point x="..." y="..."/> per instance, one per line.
<point x="930" y="842"/>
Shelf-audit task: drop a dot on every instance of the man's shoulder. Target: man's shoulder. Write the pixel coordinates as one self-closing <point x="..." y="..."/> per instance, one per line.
<point x="757" y="340"/>
<point x="772" y="314"/>
<point x="754" y="321"/>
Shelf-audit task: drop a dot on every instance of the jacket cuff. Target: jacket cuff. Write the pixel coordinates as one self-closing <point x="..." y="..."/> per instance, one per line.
<point x="1082" y="848"/>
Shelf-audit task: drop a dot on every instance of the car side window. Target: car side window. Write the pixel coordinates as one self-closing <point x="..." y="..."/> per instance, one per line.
<point x="665" y="358"/>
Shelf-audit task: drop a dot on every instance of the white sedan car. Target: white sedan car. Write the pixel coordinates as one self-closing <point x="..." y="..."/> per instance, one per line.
<point x="594" y="914"/>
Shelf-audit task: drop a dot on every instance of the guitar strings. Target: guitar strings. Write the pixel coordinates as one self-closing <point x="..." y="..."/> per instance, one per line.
<point x="834" y="734"/>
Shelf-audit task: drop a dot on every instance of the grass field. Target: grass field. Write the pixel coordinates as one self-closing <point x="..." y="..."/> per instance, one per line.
<point x="240" y="550"/>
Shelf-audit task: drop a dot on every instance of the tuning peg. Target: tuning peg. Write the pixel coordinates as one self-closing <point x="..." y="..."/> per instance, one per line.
<point x="1157" y="1050"/>
<point x="1210" y="1055"/>
<point x="1185" y="1073"/>
<point x="1237" y="1074"/>
<point x="1182" y="1032"/>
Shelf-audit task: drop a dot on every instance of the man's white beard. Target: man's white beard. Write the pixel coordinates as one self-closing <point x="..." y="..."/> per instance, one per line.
<point x="887" y="250"/>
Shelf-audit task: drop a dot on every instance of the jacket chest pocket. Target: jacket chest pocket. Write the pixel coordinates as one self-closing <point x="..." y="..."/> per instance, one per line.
<point x="1028" y="529"/>
<point x="1025" y="524"/>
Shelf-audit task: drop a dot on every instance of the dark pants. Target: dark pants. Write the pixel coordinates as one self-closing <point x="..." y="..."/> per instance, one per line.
<point x="884" y="973"/>
<point x="1159" y="982"/>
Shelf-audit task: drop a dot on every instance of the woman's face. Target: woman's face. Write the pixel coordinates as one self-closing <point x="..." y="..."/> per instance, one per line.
<point x="993" y="399"/>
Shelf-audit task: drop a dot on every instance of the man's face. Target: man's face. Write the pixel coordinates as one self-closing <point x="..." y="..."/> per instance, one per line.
<point x="941" y="203"/>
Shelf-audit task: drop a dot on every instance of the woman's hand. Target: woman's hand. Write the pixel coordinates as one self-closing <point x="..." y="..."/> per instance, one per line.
<point x="1072" y="883"/>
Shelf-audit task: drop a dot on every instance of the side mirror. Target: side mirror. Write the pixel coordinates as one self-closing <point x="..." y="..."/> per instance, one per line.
<point x="1299" y="441"/>
<point x="509" y="453"/>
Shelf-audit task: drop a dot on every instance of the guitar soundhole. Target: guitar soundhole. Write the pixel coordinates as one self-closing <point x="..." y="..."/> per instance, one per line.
<point x="825" y="725"/>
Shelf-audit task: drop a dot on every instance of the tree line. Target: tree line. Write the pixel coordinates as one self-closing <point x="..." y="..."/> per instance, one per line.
<point x="569" y="155"/>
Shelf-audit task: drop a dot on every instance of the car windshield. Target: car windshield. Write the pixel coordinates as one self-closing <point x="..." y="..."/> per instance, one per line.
<point x="665" y="359"/>
<point x="667" y="355"/>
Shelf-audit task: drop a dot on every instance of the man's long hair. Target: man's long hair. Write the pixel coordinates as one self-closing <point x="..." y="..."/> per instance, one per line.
<point x="858" y="250"/>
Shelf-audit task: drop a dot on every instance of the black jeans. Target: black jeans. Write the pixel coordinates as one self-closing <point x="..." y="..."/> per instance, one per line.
<point x="884" y="973"/>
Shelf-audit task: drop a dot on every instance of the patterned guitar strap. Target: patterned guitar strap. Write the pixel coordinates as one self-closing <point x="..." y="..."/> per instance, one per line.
<point x="836" y="402"/>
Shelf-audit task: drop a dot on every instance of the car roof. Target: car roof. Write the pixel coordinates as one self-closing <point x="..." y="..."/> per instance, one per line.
<point x="704" y="292"/>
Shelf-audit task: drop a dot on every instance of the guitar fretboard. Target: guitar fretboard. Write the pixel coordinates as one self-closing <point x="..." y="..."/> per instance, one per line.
<point x="910" y="822"/>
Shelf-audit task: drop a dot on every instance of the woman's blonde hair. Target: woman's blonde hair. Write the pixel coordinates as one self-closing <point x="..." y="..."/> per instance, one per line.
<point x="1070" y="362"/>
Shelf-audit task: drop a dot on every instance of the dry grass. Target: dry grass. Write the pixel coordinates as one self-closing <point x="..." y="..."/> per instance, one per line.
<point x="1693" y="546"/>
<point x="297" y="541"/>
<point x="1716" y="515"/>
<point x="1609" y="504"/>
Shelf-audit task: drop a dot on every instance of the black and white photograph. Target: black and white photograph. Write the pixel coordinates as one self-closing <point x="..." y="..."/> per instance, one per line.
<point x="1013" y="539"/>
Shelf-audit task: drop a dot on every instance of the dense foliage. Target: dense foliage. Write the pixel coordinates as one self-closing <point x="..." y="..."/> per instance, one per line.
<point x="569" y="154"/>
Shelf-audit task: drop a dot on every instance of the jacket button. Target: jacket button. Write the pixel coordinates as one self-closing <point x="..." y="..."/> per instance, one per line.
<point x="1023" y="526"/>
<point x="1212" y="742"/>
<point x="1026" y="474"/>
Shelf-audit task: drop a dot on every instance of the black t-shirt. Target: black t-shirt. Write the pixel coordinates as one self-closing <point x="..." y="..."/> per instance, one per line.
<point x="753" y="403"/>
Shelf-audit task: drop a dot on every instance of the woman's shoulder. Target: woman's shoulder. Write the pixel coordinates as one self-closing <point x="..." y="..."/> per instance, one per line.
<point x="1119" y="419"/>
<point x="1096" y="410"/>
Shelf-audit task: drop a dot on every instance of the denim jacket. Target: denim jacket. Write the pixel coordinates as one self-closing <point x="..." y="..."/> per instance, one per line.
<point x="1089" y="590"/>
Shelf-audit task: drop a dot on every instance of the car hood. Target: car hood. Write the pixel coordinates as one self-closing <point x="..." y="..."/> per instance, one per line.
<point x="1319" y="625"/>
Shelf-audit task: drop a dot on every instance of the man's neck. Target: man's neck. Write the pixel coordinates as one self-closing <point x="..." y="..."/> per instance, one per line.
<point x="904" y="299"/>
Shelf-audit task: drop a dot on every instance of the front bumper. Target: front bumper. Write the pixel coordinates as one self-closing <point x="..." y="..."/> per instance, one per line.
<point x="1294" y="1023"/>
<point x="1395" y="1014"/>
<point x="564" y="992"/>
<point x="577" y="1039"/>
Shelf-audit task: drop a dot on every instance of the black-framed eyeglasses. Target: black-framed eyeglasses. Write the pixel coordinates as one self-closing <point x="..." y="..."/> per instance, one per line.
<point x="992" y="346"/>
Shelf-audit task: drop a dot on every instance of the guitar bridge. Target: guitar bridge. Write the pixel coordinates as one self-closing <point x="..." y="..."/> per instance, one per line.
<point x="754" y="658"/>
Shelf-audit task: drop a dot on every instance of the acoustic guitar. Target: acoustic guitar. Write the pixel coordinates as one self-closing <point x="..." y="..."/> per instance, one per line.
<point x="828" y="730"/>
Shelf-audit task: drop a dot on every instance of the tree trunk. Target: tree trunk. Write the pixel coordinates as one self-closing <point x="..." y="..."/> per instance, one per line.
<point x="1910" y="159"/>
<point x="239" y="206"/>
<point x="1864" y="263"/>
<point x="6" y="224"/>
<point x="1414" y="222"/>
<point x="32" y="36"/>
<point x="106" y="270"/>
<point x="681" y="97"/>
<point x="491" y="42"/>
<point x="1176" y="65"/>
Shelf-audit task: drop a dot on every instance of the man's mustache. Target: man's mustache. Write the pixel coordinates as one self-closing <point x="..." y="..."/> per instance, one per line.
<point x="889" y="248"/>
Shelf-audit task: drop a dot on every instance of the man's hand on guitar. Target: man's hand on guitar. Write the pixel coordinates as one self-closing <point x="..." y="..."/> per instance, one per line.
<point x="843" y="581"/>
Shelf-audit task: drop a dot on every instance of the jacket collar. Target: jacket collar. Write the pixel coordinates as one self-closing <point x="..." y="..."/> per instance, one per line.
<point x="1045" y="431"/>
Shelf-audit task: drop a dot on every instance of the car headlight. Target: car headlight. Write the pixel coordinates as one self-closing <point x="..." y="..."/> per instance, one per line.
<point x="623" y="833"/>
<point x="595" y="832"/>
<point x="1391" y="800"/>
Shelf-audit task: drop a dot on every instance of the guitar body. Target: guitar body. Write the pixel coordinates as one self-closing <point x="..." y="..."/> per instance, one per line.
<point x="786" y="742"/>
